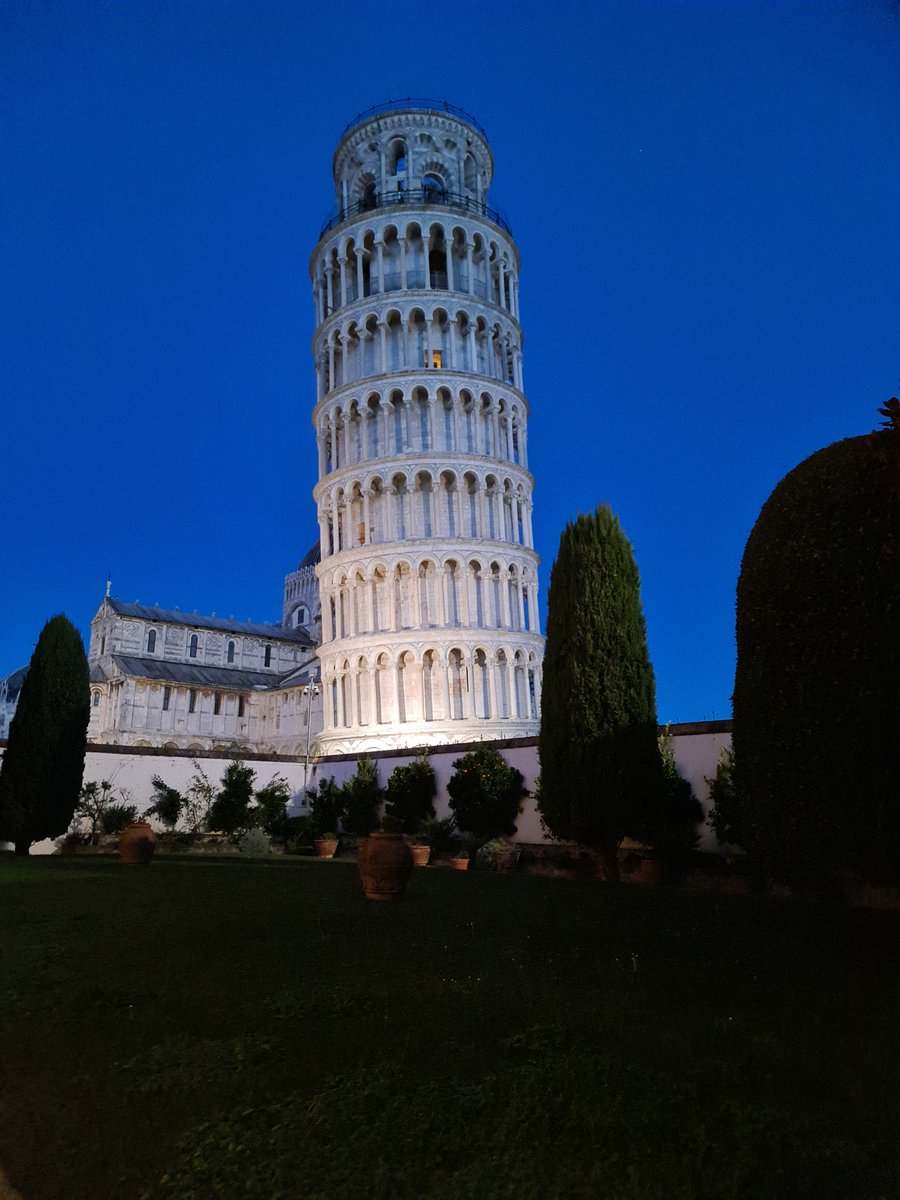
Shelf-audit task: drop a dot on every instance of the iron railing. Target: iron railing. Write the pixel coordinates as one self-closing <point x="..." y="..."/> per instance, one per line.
<point x="413" y="102"/>
<point x="433" y="196"/>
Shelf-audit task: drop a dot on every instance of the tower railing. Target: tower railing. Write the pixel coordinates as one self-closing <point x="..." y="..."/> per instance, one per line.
<point x="415" y="102"/>
<point x="432" y="197"/>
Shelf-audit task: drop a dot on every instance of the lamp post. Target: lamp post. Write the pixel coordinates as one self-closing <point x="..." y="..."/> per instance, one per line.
<point x="311" y="691"/>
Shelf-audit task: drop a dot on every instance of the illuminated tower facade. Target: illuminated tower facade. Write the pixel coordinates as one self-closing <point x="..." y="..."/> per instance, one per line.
<point x="428" y="577"/>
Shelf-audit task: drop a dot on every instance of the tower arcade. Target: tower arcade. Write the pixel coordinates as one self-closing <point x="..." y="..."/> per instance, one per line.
<point x="428" y="577"/>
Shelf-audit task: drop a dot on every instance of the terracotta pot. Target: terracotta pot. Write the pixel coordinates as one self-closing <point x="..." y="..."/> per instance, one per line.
<point x="137" y="843"/>
<point x="420" y="855"/>
<point x="326" y="847"/>
<point x="506" y="861"/>
<point x="458" y="864"/>
<point x="385" y="864"/>
<point x="651" y="872"/>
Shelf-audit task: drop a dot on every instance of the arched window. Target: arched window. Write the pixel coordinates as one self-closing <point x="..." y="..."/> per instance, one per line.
<point x="433" y="190"/>
<point x="268" y="657"/>
<point x="192" y="650"/>
<point x="95" y="699"/>
<point x="369" y="197"/>
<point x="230" y="655"/>
<point x="151" y="642"/>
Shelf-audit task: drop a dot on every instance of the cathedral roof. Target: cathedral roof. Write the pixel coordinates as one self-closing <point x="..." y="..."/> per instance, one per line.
<point x="14" y="683"/>
<point x="193" y="675"/>
<point x="312" y="557"/>
<point x="145" y="612"/>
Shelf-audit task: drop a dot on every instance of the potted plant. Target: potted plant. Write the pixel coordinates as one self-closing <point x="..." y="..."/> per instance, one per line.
<point x="500" y="854"/>
<point x="460" y="853"/>
<point x="325" y="803"/>
<point x="385" y="862"/>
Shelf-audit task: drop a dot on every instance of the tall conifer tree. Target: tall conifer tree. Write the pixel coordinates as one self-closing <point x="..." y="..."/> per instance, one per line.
<point x="42" y="769"/>
<point x="600" y="762"/>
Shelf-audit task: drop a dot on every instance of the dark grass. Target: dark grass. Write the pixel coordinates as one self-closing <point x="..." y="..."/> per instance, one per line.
<point x="226" y="1028"/>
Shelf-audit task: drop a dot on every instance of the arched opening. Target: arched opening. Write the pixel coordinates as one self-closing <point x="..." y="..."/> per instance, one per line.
<point x="433" y="189"/>
<point x="456" y="685"/>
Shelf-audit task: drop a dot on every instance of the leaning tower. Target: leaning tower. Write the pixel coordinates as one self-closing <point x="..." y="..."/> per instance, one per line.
<point x="428" y="576"/>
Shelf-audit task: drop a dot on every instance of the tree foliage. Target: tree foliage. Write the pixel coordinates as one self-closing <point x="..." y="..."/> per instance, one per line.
<point x="43" y="767"/>
<point x="486" y="794"/>
<point x="361" y="799"/>
<point x="601" y="774"/>
<point x="326" y="806"/>
<point x="230" y="812"/>
<point x="817" y="685"/>
<point x="272" y="801"/>
<point x="168" y="803"/>
<point x="724" y="816"/>
<point x="410" y="793"/>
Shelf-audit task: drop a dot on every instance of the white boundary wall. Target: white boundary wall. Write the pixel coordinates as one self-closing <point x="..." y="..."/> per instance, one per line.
<point x="130" y="769"/>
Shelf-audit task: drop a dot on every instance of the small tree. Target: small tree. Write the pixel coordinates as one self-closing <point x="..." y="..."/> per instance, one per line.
<point x="676" y="831"/>
<point x="230" y="812"/>
<point x="326" y="806"/>
<point x="724" y="816"/>
<point x="118" y="816"/>
<point x="42" y="770"/>
<point x="93" y="801"/>
<point x="410" y="793"/>
<point x="272" y="801"/>
<point x="486" y="794"/>
<point x="167" y="805"/>
<point x="601" y="775"/>
<point x="362" y="798"/>
<point x="198" y="800"/>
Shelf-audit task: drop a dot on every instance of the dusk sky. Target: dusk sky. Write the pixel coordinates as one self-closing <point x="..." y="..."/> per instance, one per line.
<point x="706" y="198"/>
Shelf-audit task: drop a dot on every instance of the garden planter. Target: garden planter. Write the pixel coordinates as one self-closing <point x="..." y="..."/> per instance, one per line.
<point x="421" y="855"/>
<point x="137" y="844"/>
<point x="506" y="861"/>
<point x="651" y="872"/>
<point x="385" y="864"/>
<point x="326" y="847"/>
<point x="458" y="864"/>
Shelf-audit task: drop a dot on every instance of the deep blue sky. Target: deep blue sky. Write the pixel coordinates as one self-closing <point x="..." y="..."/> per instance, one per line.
<point x="705" y="197"/>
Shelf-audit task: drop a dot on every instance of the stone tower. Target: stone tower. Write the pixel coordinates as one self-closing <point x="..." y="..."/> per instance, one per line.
<point x="428" y="577"/>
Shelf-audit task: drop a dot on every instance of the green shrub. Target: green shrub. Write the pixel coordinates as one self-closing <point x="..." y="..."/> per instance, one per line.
<point x="724" y="817"/>
<point x="230" y="813"/>
<point x="410" y="793"/>
<point x="326" y="805"/>
<point x="361" y="799"/>
<point x="253" y="842"/>
<point x="167" y="805"/>
<point x="817" y="756"/>
<point x="117" y="817"/>
<point x="272" y="801"/>
<point x="486" y="794"/>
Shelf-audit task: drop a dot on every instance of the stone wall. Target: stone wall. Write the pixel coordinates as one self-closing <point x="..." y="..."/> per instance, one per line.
<point x="697" y="747"/>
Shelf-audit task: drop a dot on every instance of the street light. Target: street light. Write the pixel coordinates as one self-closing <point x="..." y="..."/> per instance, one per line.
<point x="311" y="691"/>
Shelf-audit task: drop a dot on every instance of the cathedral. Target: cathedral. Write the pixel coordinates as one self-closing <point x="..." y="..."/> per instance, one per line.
<point x="414" y="618"/>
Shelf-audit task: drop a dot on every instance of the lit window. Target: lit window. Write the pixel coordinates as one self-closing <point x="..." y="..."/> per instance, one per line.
<point x="192" y="700"/>
<point x="167" y="696"/>
<point x="193" y="649"/>
<point x="436" y="358"/>
<point x="268" y="658"/>
<point x="230" y="656"/>
<point x="151" y="641"/>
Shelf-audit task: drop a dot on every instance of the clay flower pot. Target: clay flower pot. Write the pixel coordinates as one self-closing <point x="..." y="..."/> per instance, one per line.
<point x="326" y="847"/>
<point x="137" y="844"/>
<point x="420" y="855"/>
<point x="461" y="863"/>
<point x="385" y="864"/>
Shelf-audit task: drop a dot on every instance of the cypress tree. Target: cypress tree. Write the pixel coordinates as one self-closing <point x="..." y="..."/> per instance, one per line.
<point x="601" y="775"/>
<point x="43" y="767"/>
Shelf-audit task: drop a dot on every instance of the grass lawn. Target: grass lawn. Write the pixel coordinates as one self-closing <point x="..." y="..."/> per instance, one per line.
<point x="218" y="1028"/>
